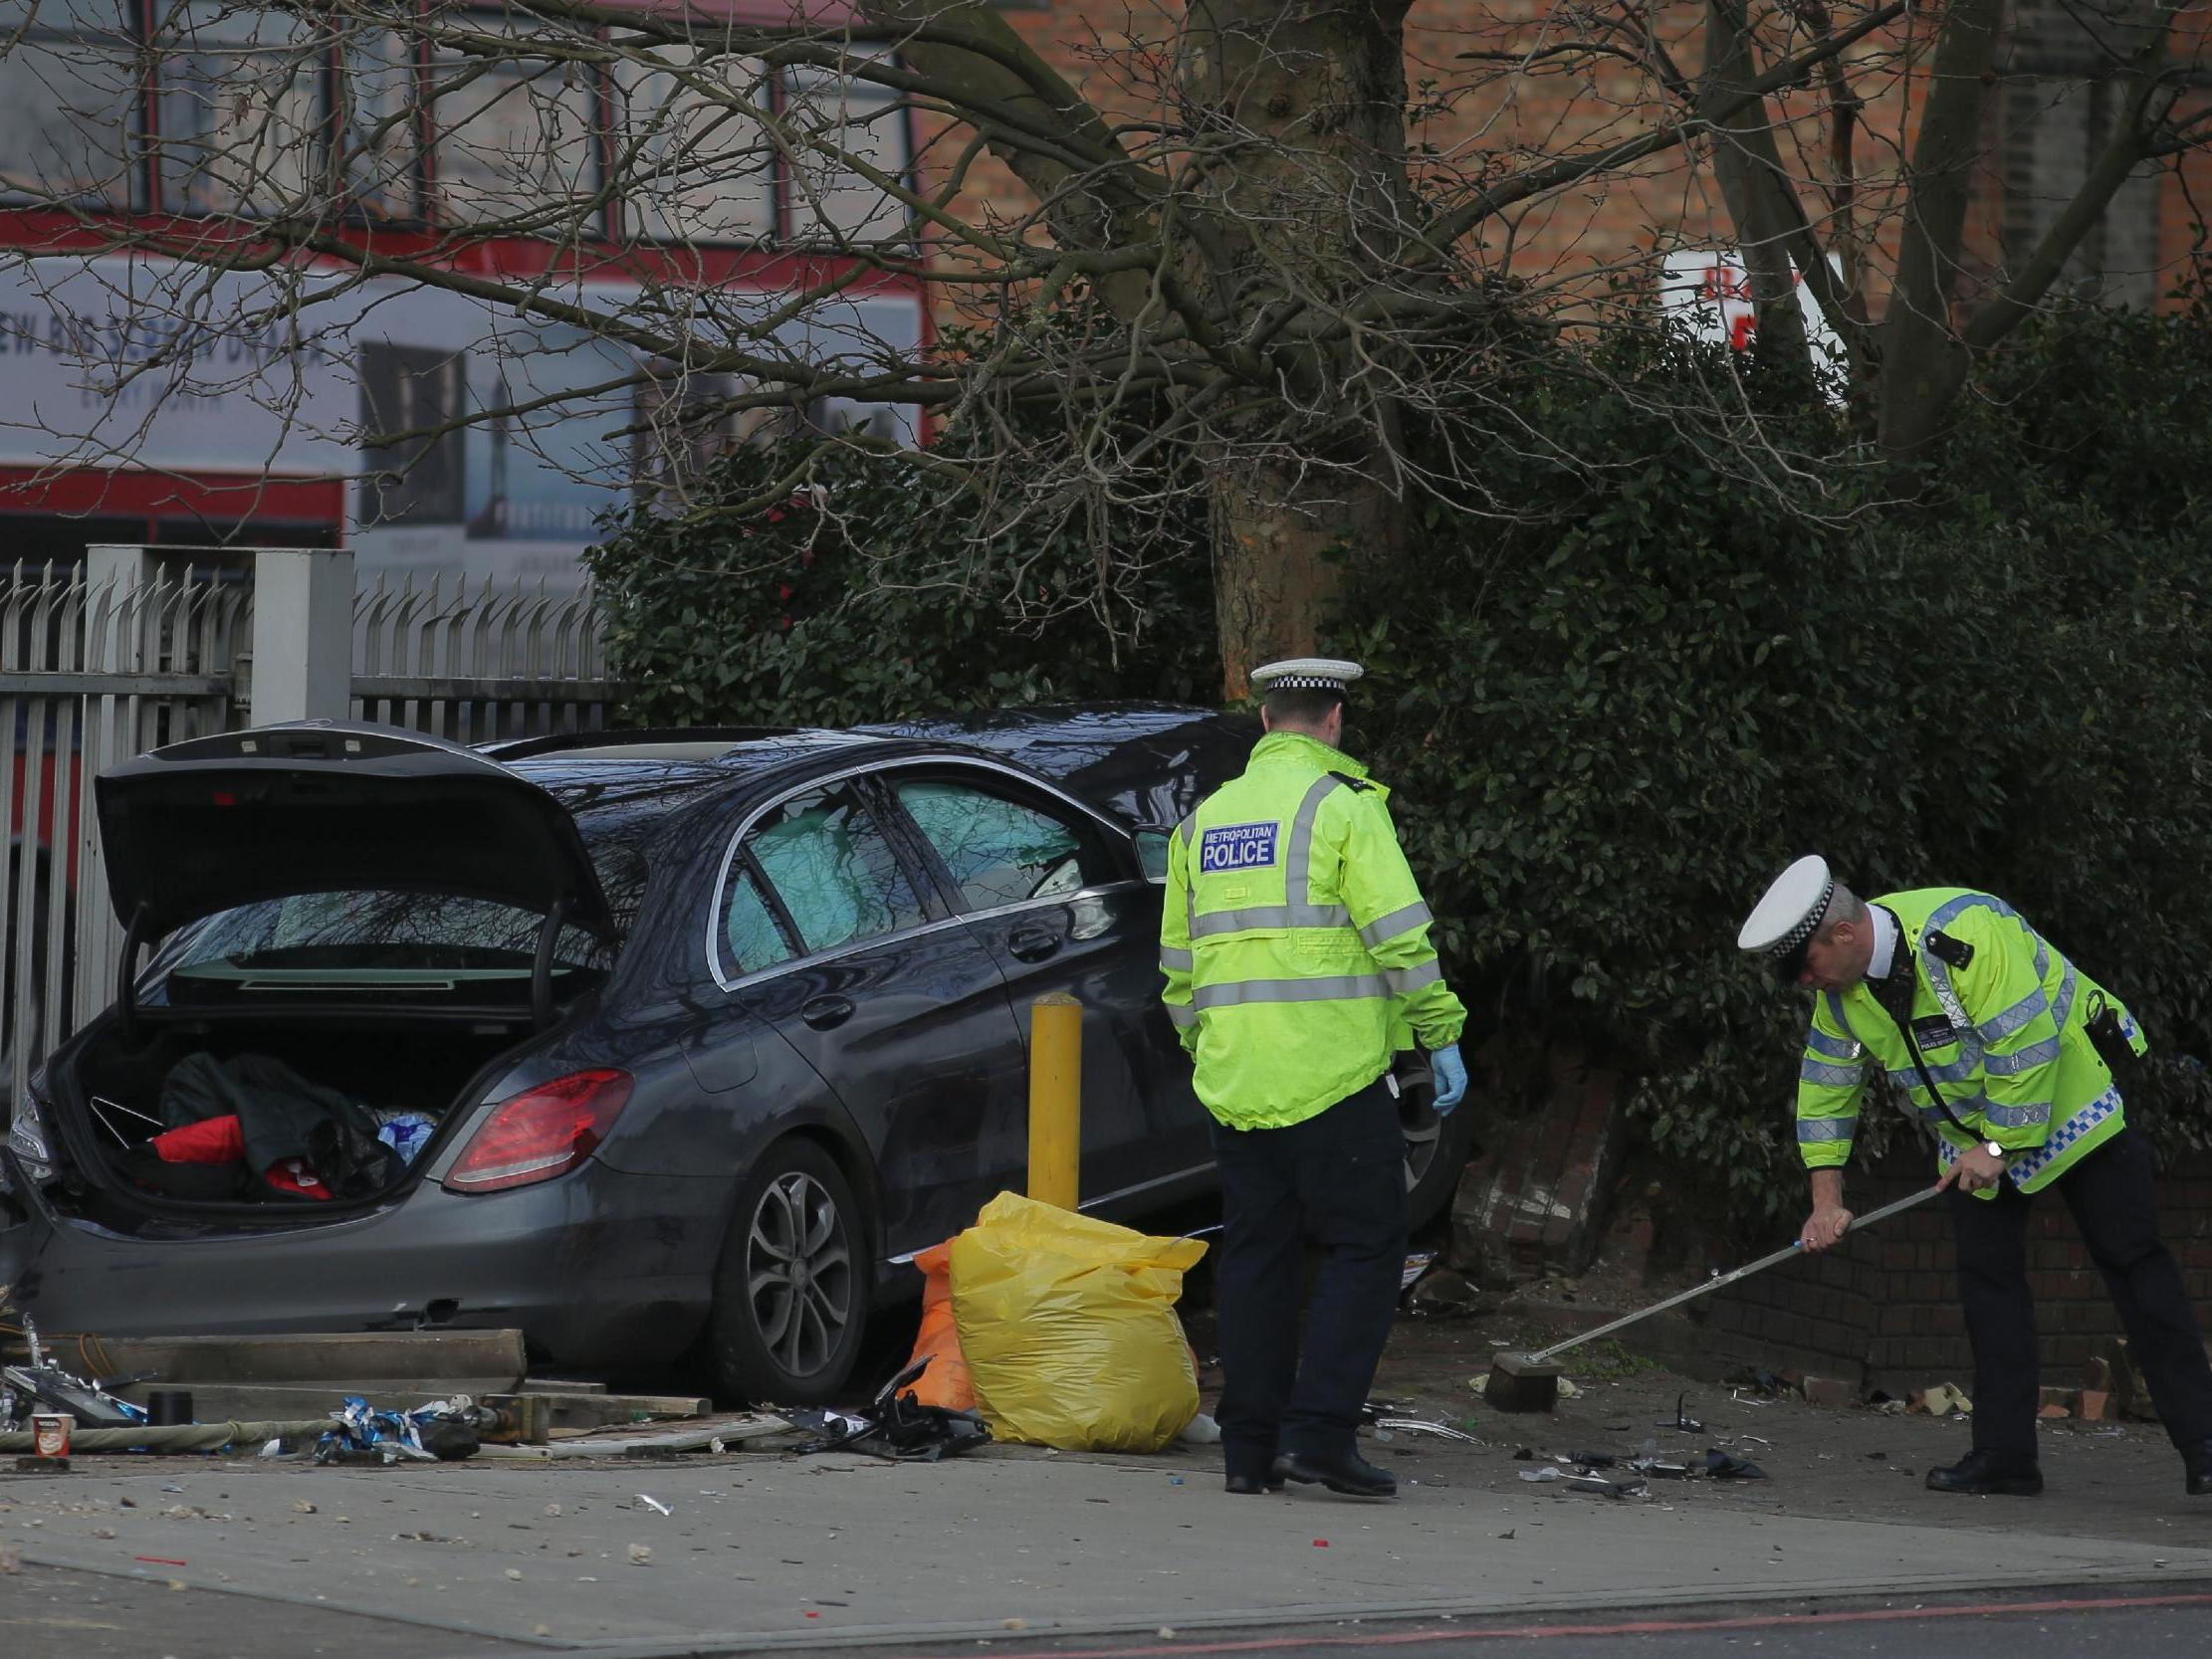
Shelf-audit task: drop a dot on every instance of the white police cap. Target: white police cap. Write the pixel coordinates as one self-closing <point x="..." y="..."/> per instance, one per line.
<point x="1785" y="920"/>
<point x="1307" y="674"/>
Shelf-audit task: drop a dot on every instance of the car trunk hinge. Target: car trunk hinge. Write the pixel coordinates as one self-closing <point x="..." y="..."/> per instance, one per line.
<point x="126" y="971"/>
<point x="540" y="973"/>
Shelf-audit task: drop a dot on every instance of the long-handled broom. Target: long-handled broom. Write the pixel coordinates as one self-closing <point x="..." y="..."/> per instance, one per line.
<point x="1530" y="1381"/>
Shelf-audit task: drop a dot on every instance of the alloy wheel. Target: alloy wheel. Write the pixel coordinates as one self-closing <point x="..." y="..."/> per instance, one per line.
<point x="799" y="1273"/>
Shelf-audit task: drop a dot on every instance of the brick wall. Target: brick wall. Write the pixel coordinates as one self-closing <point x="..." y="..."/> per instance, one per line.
<point x="1884" y="1307"/>
<point x="1119" y="54"/>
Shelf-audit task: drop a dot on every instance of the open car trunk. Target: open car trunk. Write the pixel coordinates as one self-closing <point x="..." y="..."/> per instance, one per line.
<point x="266" y="1123"/>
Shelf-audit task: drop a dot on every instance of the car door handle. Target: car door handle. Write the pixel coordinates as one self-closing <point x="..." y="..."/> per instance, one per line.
<point x="1034" y="943"/>
<point x="826" y="1014"/>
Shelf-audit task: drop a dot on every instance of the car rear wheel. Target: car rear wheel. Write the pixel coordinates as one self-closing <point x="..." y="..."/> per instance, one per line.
<point x="790" y="1300"/>
<point x="1436" y="1148"/>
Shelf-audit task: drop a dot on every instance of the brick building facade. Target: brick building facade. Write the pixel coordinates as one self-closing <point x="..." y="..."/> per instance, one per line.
<point x="2049" y="120"/>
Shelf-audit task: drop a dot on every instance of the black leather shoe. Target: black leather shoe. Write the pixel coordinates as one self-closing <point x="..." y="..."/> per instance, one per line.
<point x="2198" y="1461"/>
<point x="1251" y="1485"/>
<point x="1990" y="1474"/>
<point x="1345" y="1472"/>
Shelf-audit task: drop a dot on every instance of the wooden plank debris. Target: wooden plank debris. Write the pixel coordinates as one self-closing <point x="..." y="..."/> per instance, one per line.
<point x="494" y="1359"/>
<point x="692" y="1437"/>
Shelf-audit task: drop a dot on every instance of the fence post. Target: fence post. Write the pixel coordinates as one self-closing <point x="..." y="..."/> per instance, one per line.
<point x="122" y="636"/>
<point x="302" y="635"/>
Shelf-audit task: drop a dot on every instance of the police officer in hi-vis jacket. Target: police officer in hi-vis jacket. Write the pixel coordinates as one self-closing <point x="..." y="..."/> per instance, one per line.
<point x="1295" y="945"/>
<point x="2005" y="1049"/>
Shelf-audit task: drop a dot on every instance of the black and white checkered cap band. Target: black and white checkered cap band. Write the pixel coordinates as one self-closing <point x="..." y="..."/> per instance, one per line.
<point x="1305" y="683"/>
<point x="1807" y="926"/>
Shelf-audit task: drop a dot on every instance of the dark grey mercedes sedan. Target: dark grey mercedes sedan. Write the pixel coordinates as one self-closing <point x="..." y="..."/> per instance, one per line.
<point x="635" y="1041"/>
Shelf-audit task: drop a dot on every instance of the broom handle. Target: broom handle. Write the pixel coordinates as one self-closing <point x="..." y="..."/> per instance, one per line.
<point x="1795" y="1247"/>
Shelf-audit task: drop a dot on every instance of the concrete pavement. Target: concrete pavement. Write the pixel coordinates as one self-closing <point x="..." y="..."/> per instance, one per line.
<point x="766" y="1552"/>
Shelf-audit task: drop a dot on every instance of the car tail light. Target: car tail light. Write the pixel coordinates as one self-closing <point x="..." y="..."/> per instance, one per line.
<point x="542" y="1133"/>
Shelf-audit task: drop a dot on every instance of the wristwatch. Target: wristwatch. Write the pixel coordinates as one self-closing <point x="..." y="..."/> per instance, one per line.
<point x="1993" y="1149"/>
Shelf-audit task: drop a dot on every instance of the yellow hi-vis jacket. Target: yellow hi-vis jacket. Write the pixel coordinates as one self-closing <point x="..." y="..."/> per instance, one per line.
<point x="1999" y="1024"/>
<point x="1294" y="939"/>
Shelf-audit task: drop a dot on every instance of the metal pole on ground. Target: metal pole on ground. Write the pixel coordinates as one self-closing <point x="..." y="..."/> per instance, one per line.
<point x="1055" y="1098"/>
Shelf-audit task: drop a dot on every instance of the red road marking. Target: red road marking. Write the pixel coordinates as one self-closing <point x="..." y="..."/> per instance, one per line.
<point x="1631" y="1627"/>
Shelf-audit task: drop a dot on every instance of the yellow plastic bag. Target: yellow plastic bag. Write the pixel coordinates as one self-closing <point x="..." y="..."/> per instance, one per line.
<point x="1069" y="1327"/>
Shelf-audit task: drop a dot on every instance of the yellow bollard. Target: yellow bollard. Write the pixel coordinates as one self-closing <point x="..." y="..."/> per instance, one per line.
<point x="1055" y="1098"/>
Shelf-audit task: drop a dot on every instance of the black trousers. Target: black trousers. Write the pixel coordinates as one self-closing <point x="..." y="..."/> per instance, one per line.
<point x="1336" y="1181"/>
<point x="2114" y="1202"/>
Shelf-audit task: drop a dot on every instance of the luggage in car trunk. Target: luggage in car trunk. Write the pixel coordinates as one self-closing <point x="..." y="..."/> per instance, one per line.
<point x="311" y="1119"/>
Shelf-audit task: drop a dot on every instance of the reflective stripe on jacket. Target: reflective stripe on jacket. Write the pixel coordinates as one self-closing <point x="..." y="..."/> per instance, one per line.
<point x="1294" y="939"/>
<point x="2001" y="1034"/>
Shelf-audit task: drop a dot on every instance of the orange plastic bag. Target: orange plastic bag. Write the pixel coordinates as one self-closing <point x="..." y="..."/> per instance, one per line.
<point x="947" y="1382"/>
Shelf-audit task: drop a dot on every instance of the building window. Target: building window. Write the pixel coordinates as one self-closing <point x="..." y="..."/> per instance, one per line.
<point x="69" y="91"/>
<point x="835" y="118"/>
<point x="2056" y="127"/>
<point x="379" y="125"/>
<point x="242" y="110"/>
<point x="516" y="145"/>
<point x="695" y="166"/>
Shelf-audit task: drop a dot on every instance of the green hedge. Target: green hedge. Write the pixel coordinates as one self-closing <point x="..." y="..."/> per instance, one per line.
<point x="860" y="599"/>
<point x="1614" y="716"/>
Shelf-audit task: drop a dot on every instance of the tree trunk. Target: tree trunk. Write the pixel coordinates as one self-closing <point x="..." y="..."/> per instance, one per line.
<point x="1302" y="109"/>
<point x="1275" y="588"/>
<point x="1924" y="363"/>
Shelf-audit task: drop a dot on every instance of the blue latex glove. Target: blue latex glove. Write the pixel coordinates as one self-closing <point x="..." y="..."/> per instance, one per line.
<point x="1450" y="1073"/>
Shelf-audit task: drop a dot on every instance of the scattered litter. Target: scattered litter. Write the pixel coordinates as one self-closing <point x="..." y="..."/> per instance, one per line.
<point x="1423" y="1425"/>
<point x="1743" y="1398"/>
<point x="1941" y="1400"/>
<point x="1592" y="1460"/>
<point x="11" y="1558"/>
<point x="898" y="1425"/>
<point x="1175" y="1480"/>
<point x="1323" y="1543"/>
<point x="1683" y="1419"/>
<point x="1201" y="1430"/>
<point x="303" y="1506"/>
<point x="654" y="1504"/>
<point x="1723" y="1466"/>
<point x="1660" y="1467"/>
<point x="159" y="1561"/>
<point x="1419" y="1262"/>
<point x="1599" y="1486"/>
<point x="516" y="1574"/>
<point x="552" y="1510"/>
<point x="1568" y="1390"/>
<point x="641" y="1554"/>
<point x="443" y="1431"/>
<point x="1550" y="1472"/>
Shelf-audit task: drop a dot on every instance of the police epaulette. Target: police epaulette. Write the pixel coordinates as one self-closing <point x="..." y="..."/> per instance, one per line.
<point x="1350" y="781"/>
<point x="1955" y="952"/>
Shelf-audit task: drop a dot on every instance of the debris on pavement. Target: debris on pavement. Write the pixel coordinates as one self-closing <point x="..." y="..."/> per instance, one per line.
<point x="896" y="1425"/>
<point x="1940" y="1401"/>
<point x="1424" y="1425"/>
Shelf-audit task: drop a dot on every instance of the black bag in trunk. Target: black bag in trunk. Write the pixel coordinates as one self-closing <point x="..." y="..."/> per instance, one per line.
<point x="282" y="1115"/>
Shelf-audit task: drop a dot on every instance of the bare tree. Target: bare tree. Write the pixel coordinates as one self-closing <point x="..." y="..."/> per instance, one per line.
<point x="1240" y="250"/>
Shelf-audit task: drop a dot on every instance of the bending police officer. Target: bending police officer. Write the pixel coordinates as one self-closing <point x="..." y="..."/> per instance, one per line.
<point x="1295" y="945"/>
<point x="2006" y="1050"/>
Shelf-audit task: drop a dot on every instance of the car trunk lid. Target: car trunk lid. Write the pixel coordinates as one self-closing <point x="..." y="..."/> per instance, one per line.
<point x="217" y="822"/>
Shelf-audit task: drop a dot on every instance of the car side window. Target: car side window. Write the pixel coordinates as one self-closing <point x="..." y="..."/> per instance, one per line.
<point x="749" y="929"/>
<point x="829" y="862"/>
<point x="1000" y="851"/>
<point x="1152" y="851"/>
